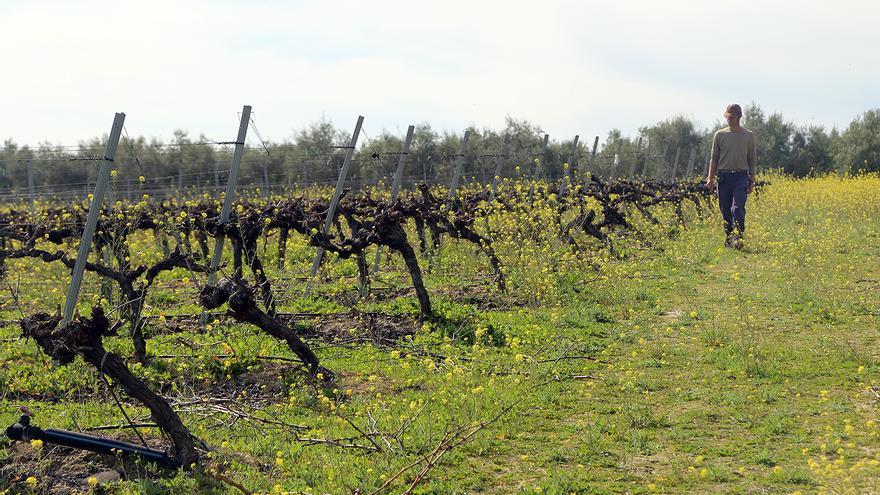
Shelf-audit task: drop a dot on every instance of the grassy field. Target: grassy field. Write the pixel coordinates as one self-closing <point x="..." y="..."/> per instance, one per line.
<point x="673" y="366"/>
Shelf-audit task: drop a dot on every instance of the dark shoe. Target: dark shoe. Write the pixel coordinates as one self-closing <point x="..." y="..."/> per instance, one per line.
<point x="728" y="242"/>
<point x="736" y="242"/>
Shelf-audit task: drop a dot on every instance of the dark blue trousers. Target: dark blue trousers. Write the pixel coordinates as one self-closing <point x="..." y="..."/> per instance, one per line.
<point x="732" y="193"/>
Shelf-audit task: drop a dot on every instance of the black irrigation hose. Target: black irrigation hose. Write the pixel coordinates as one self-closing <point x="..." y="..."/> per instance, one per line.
<point x="23" y="431"/>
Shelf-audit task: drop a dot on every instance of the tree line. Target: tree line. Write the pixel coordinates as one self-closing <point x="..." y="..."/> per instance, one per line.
<point x="314" y="154"/>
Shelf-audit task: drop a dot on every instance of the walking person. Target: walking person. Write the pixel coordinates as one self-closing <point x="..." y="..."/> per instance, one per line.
<point x="733" y="161"/>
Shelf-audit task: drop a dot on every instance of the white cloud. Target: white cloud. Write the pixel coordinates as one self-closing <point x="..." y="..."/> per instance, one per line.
<point x="572" y="67"/>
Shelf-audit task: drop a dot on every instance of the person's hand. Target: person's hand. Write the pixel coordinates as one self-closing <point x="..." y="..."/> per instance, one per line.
<point x="751" y="185"/>
<point x="710" y="183"/>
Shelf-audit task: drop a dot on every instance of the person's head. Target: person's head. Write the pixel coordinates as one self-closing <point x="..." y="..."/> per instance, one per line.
<point x="733" y="114"/>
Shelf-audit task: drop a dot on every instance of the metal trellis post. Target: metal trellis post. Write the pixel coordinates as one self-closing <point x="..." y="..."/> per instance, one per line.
<point x="459" y="165"/>
<point x="691" y="159"/>
<point x="635" y="163"/>
<point x="590" y="162"/>
<point x="708" y="159"/>
<point x="85" y="244"/>
<point x="499" y="162"/>
<point x="675" y="162"/>
<point x="180" y="183"/>
<point x="265" y="179"/>
<point x="615" y="164"/>
<point x="395" y="186"/>
<point x="661" y="164"/>
<point x="231" y="184"/>
<point x="106" y="285"/>
<point x="331" y="211"/>
<point x="30" y="172"/>
<point x="568" y="175"/>
<point x="539" y="164"/>
<point x="644" y="171"/>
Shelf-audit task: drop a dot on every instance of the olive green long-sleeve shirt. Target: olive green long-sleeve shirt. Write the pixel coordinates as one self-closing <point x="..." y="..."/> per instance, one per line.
<point x="735" y="150"/>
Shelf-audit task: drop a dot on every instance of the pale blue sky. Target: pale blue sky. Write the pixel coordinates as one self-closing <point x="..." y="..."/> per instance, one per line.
<point x="572" y="67"/>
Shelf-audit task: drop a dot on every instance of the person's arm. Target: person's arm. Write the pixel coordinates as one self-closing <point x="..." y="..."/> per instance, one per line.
<point x="713" y="169"/>
<point x="713" y="163"/>
<point x="753" y="162"/>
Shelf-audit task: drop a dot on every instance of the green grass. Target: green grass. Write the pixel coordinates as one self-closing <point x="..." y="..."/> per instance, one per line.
<point x="682" y="368"/>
